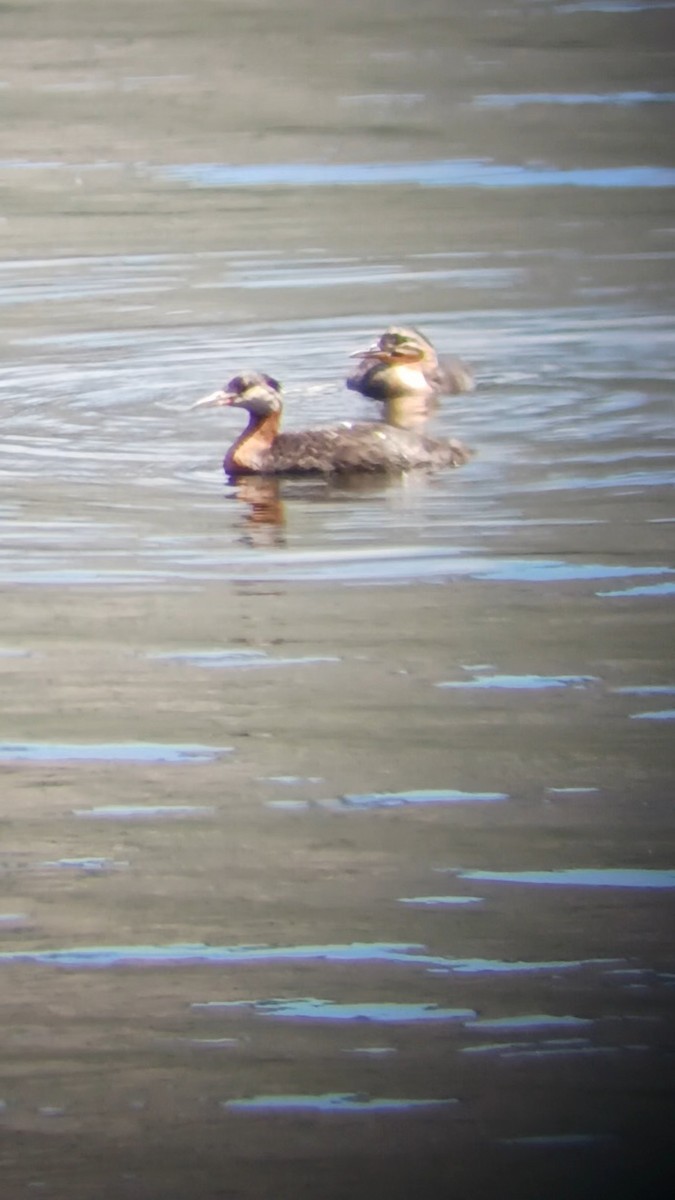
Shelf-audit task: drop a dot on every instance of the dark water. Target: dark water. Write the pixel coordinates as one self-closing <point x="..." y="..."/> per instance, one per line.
<point x="336" y="820"/>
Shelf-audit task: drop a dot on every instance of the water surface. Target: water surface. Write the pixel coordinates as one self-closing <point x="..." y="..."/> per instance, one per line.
<point x="461" y="682"/>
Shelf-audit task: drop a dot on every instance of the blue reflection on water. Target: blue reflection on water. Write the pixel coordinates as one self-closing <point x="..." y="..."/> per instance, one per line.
<point x="653" y="589"/>
<point x="136" y="812"/>
<point x="572" y="99"/>
<point x="663" y="714"/>
<point x="553" y="571"/>
<point x="522" y="682"/>
<point x="435" y="173"/>
<point x="137" y="752"/>
<point x="379" y="800"/>
<point x="240" y="659"/>
<point x="441" y="901"/>
<point x="406" y="565"/>
<point x="579" y="877"/>
<point x="90" y="866"/>
<point x="406" y="954"/>
<point x="310" y="1009"/>
<point x="421" y="796"/>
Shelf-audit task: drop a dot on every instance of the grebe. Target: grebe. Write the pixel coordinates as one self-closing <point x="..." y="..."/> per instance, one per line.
<point x="403" y="362"/>
<point x="370" y="446"/>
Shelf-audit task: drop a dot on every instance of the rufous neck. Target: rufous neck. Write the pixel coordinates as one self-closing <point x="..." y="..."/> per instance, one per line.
<point x="250" y="448"/>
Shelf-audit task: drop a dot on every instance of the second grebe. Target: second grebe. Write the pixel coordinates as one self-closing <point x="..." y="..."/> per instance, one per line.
<point x="403" y="362"/>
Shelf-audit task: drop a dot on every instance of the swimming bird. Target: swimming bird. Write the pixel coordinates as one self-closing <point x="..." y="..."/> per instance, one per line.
<point x="403" y="362"/>
<point x="332" y="449"/>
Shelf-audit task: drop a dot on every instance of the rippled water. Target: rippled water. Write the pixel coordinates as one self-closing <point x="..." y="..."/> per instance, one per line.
<point x="337" y="848"/>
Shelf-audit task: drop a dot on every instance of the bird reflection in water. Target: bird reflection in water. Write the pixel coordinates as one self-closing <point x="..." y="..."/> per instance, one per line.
<point x="265" y="521"/>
